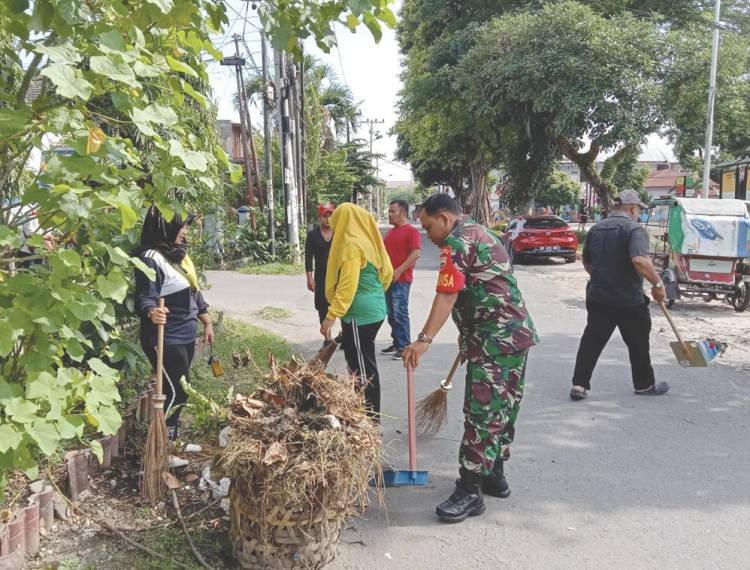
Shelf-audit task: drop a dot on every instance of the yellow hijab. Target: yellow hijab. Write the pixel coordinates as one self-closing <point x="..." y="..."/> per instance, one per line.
<point x="355" y="235"/>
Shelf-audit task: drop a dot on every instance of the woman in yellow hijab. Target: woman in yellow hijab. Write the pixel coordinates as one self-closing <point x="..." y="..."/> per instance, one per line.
<point x="358" y="274"/>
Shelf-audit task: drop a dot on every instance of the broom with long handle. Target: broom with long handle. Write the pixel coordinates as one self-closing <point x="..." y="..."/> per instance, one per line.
<point x="156" y="451"/>
<point x="432" y="410"/>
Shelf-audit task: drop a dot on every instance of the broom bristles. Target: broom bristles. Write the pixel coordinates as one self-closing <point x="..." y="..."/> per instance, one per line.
<point x="155" y="458"/>
<point x="432" y="412"/>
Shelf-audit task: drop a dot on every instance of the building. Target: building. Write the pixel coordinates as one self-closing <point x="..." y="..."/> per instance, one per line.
<point x="656" y="155"/>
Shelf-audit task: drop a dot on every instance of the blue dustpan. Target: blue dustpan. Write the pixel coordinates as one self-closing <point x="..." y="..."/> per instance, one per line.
<point x="402" y="477"/>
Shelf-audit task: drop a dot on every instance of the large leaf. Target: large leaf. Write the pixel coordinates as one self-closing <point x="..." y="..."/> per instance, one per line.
<point x="113" y="286"/>
<point x="9" y="438"/>
<point x="181" y="67"/>
<point x="45" y="435"/>
<point x="193" y="160"/>
<point x="69" y="81"/>
<point x="22" y="411"/>
<point x="64" y="52"/>
<point x="164" y="5"/>
<point x="153" y="114"/>
<point x="114" y="67"/>
<point x="8" y="337"/>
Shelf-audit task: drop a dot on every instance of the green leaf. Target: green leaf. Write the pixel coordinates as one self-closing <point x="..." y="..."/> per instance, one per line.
<point x="22" y="411"/>
<point x="180" y="67"/>
<point x="69" y="81"/>
<point x="45" y="435"/>
<point x="70" y="426"/>
<point x="199" y="97"/>
<point x="154" y="113"/>
<point x="9" y="438"/>
<point x="109" y="419"/>
<point x="373" y="25"/>
<point x="102" y="369"/>
<point x="42" y="386"/>
<point x="112" y="41"/>
<point x="113" y="286"/>
<point x="352" y="22"/>
<point x="13" y="121"/>
<point x="97" y="450"/>
<point x="8" y="337"/>
<point x="164" y="5"/>
<point x="147" y="271"/>
<point x="70" y="258"/>
<point x="192" y="159"/>
<point x="114" y="67"/>
<point x="235" y="174"/>
<point x="9" y="237"/>
<point x="64" y="52"/>
<point x="387" y="16"/>
<point x="83" y="311"/>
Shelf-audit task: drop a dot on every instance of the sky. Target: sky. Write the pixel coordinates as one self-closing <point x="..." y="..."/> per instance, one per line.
<point x="371" y="70"/>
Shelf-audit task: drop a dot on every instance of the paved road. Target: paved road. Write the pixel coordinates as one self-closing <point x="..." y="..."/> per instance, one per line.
<point x="616" y="481"/>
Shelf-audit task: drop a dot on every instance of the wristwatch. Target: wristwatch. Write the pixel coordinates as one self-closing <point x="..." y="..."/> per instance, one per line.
<point x="658" y="285"/>
<point x="424" y="338"/>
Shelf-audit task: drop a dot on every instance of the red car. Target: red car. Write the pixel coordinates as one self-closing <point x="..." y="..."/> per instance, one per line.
<point x="540" y="236"/>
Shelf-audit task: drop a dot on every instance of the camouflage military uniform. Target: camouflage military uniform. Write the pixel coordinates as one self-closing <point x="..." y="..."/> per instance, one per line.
<point x="496" y="332"/>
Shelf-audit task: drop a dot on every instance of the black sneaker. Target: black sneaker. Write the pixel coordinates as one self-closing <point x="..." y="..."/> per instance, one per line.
<point x="398" y="355"/>
<point x="495" y="484"/>
<point x="389" y="350"/>
<point x="466" y="500"/>
<point x="656" y="389"/>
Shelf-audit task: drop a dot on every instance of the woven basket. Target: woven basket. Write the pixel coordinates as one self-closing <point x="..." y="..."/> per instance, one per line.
<point x="282" y="540"/>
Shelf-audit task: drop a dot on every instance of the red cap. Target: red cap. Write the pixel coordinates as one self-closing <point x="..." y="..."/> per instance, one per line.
<point x="326" y="208"/>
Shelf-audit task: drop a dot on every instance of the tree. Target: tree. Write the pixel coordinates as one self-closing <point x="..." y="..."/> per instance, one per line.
<point x="686" y="100"/>
<point x="589" y="78"/>
<point x="559" y="190"/>
<point x="289" y="22"/>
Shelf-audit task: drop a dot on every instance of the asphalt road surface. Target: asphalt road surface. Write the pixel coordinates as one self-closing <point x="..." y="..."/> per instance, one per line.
<point x="615" y="481"/>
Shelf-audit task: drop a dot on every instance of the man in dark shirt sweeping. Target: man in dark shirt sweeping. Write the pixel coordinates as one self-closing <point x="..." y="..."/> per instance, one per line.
<point x="317" y="247"/>
<point x="617" y="258"/>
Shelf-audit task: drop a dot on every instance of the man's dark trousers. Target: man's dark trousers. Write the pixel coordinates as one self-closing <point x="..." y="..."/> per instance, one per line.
<point x="635" y="327"/>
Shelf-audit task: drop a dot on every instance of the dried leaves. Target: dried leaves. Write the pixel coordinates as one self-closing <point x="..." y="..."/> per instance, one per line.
<point x="303" y="435"/>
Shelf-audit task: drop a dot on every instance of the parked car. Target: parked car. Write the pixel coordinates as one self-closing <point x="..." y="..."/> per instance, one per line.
<point x="540" y="236"/>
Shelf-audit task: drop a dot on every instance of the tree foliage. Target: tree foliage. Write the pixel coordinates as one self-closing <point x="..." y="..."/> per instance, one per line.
<point x="558" y="190"/>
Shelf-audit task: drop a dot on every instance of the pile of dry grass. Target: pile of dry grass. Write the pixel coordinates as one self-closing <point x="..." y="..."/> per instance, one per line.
<point x="301" y="453"/>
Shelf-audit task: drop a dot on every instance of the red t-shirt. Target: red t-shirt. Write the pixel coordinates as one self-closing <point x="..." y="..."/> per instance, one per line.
<point x="399" y="243"/>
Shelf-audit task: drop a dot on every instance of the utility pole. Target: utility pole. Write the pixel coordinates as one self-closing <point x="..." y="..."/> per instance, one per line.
<point x="711" y="100"/>
<point x="238" y="62"/>
<point x="268" y="167"/>
<point x="371" y="127"/>
<point x="287" y="160"/>
<point x="303" y="139"/>
<point x="253" y="154"/>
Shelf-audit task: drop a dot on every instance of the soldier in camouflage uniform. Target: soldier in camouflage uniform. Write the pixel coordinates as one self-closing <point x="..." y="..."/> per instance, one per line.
<point x="477" y="286"/>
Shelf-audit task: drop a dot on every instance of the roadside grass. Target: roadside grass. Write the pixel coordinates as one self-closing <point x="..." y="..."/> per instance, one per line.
<point x="275" y="268"/>
<point x="244" y="352"/>
<point x="271" y="313"/>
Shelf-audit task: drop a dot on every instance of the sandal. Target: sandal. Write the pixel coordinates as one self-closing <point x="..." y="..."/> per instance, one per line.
<point x="578" y="393"/>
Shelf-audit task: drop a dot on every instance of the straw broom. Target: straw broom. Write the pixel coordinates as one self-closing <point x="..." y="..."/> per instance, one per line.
<point x="432" y="410"/>
<point x="156" y="451"/>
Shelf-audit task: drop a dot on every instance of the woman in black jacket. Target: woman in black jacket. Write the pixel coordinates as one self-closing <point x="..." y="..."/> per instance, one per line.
<point x="163" y="248"/>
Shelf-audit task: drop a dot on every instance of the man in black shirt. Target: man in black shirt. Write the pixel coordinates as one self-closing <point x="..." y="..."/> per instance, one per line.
<point x="317" y="247"/>
<point x="616" y="256"/>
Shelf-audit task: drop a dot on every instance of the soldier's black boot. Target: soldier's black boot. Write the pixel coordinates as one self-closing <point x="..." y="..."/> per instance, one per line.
<point x="466" y="500"/>
<point x="495" y="484"/>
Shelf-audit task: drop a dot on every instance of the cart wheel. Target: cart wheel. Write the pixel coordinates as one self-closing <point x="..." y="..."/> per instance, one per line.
<point x="670" y="303"/>
<point x="741" y="299"/>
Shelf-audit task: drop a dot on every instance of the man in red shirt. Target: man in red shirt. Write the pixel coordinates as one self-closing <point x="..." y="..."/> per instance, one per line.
<point x="404" y="246"/>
